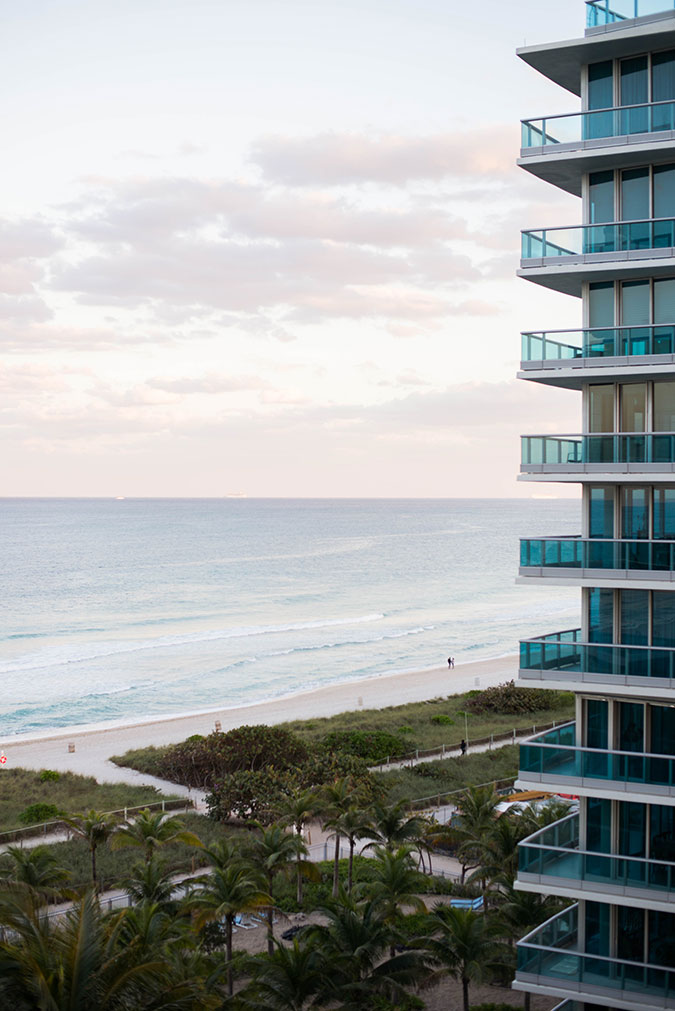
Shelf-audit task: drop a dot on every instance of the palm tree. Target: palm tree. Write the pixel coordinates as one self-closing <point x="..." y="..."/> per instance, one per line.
<point x="37" y="870"/>
<point x="287" y="980"/>
<point x="353" y="945"/>
<point x="477" y="808"/>
<point x="226" y="893"/>
<point x="298" y="809"/>
<point x="338" y="798"/>
<point x="150" y="882"/>
<point x="276" y="851"/>
<point x="497" y="850"/>
<point x="96" y="828"/>
<point x="150" y="830"/>
<point x="392" y="826"/>
<point x="461" y="945"/>
<point x="394" y="884"/>
<point x="353" y="824"/>
<point x="77" y="964"/>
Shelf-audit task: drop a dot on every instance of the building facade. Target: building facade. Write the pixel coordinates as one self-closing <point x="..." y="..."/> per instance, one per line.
<point x="614" y="861"/>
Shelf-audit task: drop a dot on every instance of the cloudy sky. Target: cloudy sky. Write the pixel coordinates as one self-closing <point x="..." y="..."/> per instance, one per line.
<point x="268" y="246"/>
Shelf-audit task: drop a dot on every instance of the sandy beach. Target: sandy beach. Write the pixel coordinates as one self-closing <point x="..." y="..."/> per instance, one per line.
<point x="95" y="743"/>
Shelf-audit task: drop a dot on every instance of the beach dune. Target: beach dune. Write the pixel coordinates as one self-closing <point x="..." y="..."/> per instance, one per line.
<point x="87" y="749"/>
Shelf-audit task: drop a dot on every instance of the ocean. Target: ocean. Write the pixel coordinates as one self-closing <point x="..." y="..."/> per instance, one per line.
<point x="124" y="609"/>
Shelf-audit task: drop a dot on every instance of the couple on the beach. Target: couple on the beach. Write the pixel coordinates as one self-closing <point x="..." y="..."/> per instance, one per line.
<point x="451" y="662"/>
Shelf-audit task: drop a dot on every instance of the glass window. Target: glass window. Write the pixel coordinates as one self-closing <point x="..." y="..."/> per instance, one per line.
<point x="601" y="408"/>
<point x="664" y="515"/>
<point x="664" y="191"/>
<point x="632" y="829"/>
<point x="635" y="195"/>
<point x="601" y="304"/>
<point x="599" y="825"/>
<point x="600" y="615"/>
<point x="634" y="513"/>
<point x="633" y="407"/>
<point x="601" y="195"/>
<point x="663" y="76"/>
<point x="661" y="938"/>
<point x="600" y="85"/>
<point x="601" y="512"/>
<point x="663" y="730"/>
<point x="597" y="723"/>
<point x="631" y="726"/>
<point x="635" y="299"/>
<point x="662" y="833"/>
<point x="663" y="618"/>
<point x="664" y="407"/>
<point x="634" y="81"/>
<point x="635" y="617"/>
<point x="631" y="934"/>
<point x="597" y="928"/>
<point x="664" y="300"/>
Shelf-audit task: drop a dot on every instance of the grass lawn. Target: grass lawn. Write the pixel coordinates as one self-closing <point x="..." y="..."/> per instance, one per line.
<point x="433" y="778"/>
<point x="71" y="794"/>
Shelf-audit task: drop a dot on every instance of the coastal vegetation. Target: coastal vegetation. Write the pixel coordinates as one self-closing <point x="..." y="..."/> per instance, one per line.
<point x="28" y="797"/>
<point x="376" y="931"/>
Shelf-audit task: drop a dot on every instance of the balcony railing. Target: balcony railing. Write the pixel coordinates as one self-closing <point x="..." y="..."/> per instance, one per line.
<point x="551" y="953"/>
<point x="576" y="127"/>
<point x="554" y="852"/>
<point x="588" y="553"/>
<point x="608" y="12"/>
<point x="600" y="342"/>
<point x="562" y="653"/>
<point x="555" y="754"/>
<point x="612" y="448"/>
<point x="613" y="237"/>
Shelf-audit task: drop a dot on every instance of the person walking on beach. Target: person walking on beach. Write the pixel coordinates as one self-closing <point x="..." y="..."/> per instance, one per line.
<point x="452" y="661"/>
<point x="449" y="661"/>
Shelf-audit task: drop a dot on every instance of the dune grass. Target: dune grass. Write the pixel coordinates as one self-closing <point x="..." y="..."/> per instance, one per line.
<point x="70" y="793"/>
<point x="431" y="779"/>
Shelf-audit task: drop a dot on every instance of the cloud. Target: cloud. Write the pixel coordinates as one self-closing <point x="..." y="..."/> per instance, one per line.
<point x="209" y="384"/>
<point x="347" y="158"/>
<point x="30" y="308"/>
<point x="27" y="238"/>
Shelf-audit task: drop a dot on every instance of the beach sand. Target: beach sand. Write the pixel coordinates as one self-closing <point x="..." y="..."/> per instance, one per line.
<point x="95" y="743"/>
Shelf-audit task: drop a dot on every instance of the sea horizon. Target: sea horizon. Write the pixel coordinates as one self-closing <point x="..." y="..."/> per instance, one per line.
<point x="150" y="606"/>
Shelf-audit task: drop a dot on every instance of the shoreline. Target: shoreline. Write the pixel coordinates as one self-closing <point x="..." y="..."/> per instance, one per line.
<point x="95" y="743"/>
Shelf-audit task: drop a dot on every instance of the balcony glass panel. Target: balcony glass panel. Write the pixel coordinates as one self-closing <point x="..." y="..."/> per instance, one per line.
<point x="563" y="652"/>
<point x="599" y="342"/>
<point x="609" y="12"/>
<point x="554" y="754"/>
<point x="653" y="447"/>
<point x="554" y="852"/>
<point x="579" y="553"/>
<point x="573" y="128"/>
<point x="551" y="952"/>
<point x="582" y="240"/>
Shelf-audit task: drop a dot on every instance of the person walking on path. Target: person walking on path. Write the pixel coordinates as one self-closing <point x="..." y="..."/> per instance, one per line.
<point x="463" y="746"/>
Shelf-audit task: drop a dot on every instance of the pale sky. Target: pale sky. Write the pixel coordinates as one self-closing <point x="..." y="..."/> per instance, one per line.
<point x="269" y="246"/>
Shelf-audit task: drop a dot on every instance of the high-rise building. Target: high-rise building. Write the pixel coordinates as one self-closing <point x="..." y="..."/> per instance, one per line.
<point x="614" y="861"/>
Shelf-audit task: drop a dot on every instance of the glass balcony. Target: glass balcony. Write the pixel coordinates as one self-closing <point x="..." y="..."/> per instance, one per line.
<point x="576" y="127"/>
<point x="609" y="12"/>
<point x="554" y="852"/>
<point x="583" y="240"/>
<point x="562" y="653"/>
<point x="555" y="754"/>
<point x="612" y="448"/>
<point x="603" y="342"/>
<point x="551" y="953"/>
<point x="582" y="553"/>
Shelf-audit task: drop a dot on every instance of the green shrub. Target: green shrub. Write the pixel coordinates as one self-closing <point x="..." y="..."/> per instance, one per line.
<point x="405" y="730"/>
<point x="371" y="745"/>
<point x="443" y="720"/>
<point x="512" y="700"/>
<point x="36" y="813"/>
<point x="49" y="776"/>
